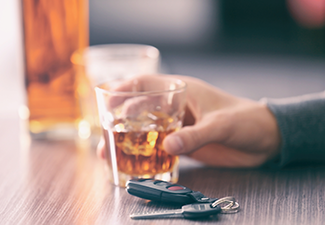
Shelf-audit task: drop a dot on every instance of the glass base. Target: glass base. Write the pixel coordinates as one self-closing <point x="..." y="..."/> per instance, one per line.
<point x="59" y="132"/>
<point x="122" y="178"/>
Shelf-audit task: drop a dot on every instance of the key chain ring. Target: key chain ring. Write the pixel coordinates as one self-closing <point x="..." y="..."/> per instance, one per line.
<point x="231" y="207"/>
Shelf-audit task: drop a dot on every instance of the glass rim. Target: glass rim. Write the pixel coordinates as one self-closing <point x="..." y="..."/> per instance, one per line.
<point x="78" y="57"/>
<point x="182" y="87"/>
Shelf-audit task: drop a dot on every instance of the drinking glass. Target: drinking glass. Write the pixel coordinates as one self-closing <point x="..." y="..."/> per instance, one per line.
<point x="53" y="30"/>
<point x="101" y="63"/>
<point x="136" y="115"/>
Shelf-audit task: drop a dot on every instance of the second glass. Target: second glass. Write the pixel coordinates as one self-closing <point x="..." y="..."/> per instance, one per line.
<point x="53" y="30"/>
<point x="102" y="63"/>
<point x="136" y="115"/>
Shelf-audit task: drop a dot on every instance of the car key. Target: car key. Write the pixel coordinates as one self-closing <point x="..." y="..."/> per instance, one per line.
<point x="163" y="191"/>
<point x="191" y="211"/>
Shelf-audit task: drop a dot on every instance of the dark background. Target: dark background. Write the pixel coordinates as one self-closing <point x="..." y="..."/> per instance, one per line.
<point x="249" y="48"/>
<point x="234" y="26"/>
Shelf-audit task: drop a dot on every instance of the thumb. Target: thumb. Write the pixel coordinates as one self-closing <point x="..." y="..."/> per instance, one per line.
<point x="190" y="138"/>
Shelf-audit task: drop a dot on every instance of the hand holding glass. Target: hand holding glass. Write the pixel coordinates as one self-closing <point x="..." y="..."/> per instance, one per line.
<point x="136" y="115"/>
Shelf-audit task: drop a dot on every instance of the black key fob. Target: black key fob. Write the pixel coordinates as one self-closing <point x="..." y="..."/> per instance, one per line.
<point x="162" y="191"/>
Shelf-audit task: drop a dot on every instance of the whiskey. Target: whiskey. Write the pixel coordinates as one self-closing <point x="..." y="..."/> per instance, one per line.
<point x="138" y="144"/>
<point x="136" y="117"/>
<point x="142" y="153"/>
<point x="53" y="30"/>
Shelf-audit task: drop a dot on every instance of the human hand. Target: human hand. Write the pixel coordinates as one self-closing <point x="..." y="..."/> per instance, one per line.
<point x="222" y="130"/>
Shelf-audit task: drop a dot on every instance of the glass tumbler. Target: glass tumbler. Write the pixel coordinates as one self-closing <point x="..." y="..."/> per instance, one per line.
<point x="136" y="115"/>
<point x="52" y="31"/>
<point x="101" y="63"/>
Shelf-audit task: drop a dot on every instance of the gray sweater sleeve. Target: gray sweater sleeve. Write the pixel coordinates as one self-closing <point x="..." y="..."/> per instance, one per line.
<point x="301" y="121"/>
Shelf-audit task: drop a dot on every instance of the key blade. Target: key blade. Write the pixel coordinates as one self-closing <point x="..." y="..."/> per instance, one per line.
<point x="160" y="214"/>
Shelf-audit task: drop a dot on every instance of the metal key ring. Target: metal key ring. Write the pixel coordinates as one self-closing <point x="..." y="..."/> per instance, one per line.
<point x="231" y="207"/>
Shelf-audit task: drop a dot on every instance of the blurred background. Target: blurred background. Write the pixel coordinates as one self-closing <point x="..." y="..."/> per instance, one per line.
<point x="249" y="48"/>
<point x="212" y="26"/>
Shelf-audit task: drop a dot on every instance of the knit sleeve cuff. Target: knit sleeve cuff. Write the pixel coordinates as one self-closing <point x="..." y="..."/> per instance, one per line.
<point x="301" y="121"/>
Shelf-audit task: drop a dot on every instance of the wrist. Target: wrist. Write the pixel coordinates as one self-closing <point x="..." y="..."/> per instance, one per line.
<point x="272" y="139"/>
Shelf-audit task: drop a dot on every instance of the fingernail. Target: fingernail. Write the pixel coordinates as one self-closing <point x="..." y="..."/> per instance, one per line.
<point x="174" y="144"/>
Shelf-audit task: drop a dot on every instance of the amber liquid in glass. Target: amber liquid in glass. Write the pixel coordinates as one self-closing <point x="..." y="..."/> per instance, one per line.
<point x="140" y="152"/>
<point x="53" y="30"/>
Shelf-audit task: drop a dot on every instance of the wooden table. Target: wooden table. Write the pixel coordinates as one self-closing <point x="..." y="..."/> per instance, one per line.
<point x="60" y="183"/>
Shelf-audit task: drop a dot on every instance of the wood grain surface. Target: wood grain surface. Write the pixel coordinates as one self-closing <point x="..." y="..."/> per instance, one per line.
<point x="60" y="182"/>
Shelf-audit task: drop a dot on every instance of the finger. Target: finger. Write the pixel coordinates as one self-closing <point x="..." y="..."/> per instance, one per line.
<point x="133" y="107"/>
<point x="142" y="83"/>
<point x="114" y="99"/>
<point x="188" y="139"/>
<point x="130" y="98"/>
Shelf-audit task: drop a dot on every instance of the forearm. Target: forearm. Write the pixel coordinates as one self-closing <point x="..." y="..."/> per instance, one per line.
<point x="301" y="121"/>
